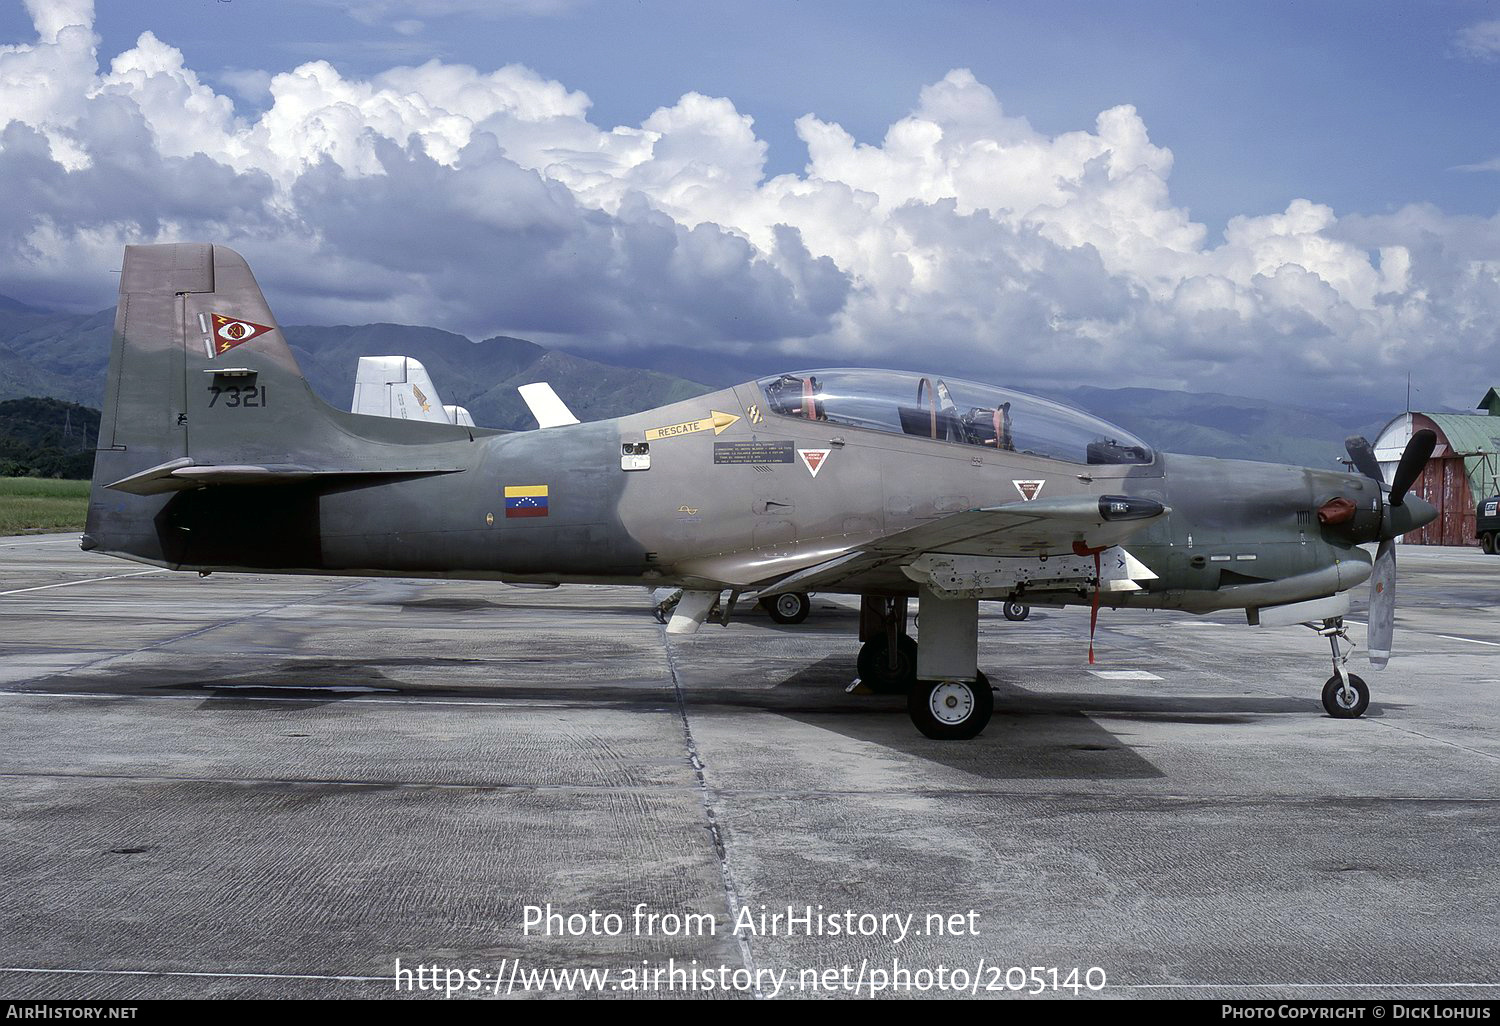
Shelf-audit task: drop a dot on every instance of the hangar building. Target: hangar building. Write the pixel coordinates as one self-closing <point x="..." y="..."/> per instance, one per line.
<point x="1462" y="471"/>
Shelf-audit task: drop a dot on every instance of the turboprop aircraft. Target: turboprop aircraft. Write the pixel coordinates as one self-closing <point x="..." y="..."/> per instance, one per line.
<point x="214" y="455"/>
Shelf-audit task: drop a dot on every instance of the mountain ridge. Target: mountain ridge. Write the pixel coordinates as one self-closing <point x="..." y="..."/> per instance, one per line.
<point x="65" y="356"/>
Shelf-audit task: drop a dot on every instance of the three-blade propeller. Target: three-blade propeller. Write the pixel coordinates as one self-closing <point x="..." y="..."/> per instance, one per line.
<point x="1396" y="520"/>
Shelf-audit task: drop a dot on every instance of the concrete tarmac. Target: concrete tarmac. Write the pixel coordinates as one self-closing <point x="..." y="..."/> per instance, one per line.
<point x="282" y="787"/>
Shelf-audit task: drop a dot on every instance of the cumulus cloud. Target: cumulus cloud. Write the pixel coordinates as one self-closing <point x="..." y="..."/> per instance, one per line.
<point x="488" y="201"/>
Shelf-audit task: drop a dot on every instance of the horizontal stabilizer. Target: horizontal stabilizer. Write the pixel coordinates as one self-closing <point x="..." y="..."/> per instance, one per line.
<point x="181" y="474"/>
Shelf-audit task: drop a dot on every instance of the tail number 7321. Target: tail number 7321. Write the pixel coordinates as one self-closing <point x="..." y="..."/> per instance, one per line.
<point x="235" y="396"/>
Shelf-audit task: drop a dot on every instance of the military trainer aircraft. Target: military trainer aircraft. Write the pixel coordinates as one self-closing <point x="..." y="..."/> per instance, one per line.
<point x="214" y="455"/>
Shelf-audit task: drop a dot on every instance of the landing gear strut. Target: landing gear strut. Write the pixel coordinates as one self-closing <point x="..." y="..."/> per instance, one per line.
<point x="947" y="697"/>
<point x="1345" y="696"/>
<point x="888" y="659"/>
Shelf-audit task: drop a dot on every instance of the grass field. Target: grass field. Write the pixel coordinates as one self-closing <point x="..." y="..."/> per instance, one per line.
<point x="37" y="504"/>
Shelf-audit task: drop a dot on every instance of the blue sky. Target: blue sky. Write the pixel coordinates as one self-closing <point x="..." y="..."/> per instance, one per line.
<point x="1272" y="198"/>
<point x="1365" y="106"/>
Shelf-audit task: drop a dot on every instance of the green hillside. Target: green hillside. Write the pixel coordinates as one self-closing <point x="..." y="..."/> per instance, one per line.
<point x="47" y="438"/>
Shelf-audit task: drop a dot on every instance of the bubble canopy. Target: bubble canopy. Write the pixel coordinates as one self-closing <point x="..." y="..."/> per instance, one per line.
<point x="954" y="411"/>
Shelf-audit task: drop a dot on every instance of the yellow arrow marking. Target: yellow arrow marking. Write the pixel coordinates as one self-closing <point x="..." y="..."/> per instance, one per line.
<point x="716" y="420"/>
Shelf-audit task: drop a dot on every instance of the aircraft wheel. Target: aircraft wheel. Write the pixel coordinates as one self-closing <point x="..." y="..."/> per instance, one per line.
<point x="876" y="671"/>
<point x="1338" y="705"/>
<point x="788" y="607"/>
<point x="1017" y="610"/>
<point x="951" y="710"/>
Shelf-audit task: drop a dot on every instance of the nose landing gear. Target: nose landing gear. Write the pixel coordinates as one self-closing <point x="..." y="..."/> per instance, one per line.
<point x="1345" y="695"/>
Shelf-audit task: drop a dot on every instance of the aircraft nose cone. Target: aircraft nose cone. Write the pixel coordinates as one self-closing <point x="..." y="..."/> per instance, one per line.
<point x="1414" y="512"/>
<point x="1422" y="512"/>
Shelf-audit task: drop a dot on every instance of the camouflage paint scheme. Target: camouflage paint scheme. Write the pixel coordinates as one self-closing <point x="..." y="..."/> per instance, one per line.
<point x="214" y="455"/>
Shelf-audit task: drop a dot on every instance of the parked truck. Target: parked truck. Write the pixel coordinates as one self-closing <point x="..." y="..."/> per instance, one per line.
<point x="1487" y="524"/>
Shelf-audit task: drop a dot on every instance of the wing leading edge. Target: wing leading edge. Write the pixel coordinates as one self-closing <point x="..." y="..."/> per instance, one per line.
<point x="1070" y="525"/>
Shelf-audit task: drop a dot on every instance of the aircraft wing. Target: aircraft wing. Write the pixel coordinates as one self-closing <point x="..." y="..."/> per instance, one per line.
<point x="1074" y="525"/>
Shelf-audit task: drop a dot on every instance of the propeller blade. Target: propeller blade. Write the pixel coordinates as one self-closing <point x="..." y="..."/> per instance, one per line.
<point x="1382" y="604"/>
<point x="1418" y="452"/>
<point x="1362" y="453"/>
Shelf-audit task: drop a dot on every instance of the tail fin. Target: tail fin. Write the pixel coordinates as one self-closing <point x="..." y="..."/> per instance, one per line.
<point x="203" y="390"/>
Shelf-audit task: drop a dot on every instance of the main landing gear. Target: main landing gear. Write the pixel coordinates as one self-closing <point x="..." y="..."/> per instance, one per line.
<point x="951" y="710"/>
<point x="788" y="607"/>
<point x="947" y="697"/>
<point x="888" y="658"/>
<point x="1345" y="696"/>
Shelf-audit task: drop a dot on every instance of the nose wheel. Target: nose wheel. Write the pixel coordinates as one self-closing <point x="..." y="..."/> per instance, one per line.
<point x="1345" y="695"/>
<point x="1345" y="702"/>
<point x="951" y="710"/>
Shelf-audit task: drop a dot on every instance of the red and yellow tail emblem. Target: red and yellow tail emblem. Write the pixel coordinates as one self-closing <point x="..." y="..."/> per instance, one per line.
<point x="230" y="331"/>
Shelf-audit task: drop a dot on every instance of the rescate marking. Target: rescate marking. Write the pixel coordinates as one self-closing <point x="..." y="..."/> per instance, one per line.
<point x="1029" y="489"/>
<point x="716" y="420"/>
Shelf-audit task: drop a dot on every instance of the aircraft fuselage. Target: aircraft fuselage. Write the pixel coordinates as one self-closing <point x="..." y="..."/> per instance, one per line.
<point x="728" y="508"/>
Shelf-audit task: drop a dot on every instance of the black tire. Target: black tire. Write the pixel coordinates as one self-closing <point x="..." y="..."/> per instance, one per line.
<point x="788" y="607"/>
<point x="876" y="672"/>
<point x="1487" y="542"/>
<point x="1017" y="610"/>
<point x="948" y="710"/>
<point x="1333" y="698"/>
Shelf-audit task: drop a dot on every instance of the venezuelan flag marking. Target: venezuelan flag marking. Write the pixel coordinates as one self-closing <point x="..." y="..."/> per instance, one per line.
<point x="525" y="500"/>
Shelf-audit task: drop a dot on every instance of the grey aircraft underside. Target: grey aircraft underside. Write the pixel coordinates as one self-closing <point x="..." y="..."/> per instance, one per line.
<point x="214" y="455"/>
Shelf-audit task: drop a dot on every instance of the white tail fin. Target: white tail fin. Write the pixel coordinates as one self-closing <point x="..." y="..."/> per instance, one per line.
<point x="546" y="407"/>
<point x="400" y="387"/>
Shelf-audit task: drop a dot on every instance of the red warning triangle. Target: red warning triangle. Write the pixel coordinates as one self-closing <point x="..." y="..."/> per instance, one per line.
<point x="814" y="459"/>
